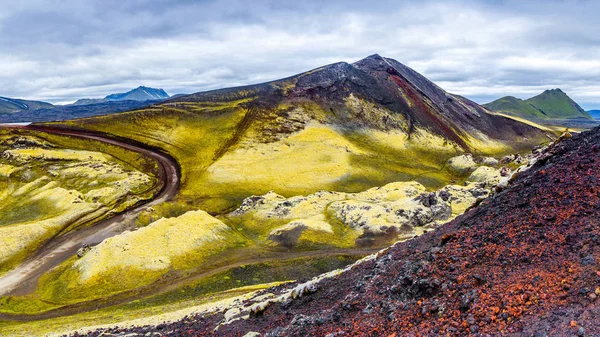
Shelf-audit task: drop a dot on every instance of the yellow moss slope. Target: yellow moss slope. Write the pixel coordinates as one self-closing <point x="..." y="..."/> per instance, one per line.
<point x="46" y="190"/>
<point x="167" y="243"/>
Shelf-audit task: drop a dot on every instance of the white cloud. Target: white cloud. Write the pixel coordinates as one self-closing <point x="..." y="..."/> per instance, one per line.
<point x="483" y="50"/>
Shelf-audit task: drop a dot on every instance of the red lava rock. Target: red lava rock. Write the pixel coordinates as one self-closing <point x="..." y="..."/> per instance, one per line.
<point x="517" y="265"/>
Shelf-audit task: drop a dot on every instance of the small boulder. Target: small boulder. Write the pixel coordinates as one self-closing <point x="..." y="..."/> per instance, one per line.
<point x="507" y="159"/>
<point x="485" y="174"/>
<point x="489" y="161"/>
<point x="505" y="171"/>
<point x="462" y="164"/>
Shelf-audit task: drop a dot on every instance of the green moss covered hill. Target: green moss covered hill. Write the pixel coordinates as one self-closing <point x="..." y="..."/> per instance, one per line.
<point x="344" y="127"/>
<point x="551" y="104"/>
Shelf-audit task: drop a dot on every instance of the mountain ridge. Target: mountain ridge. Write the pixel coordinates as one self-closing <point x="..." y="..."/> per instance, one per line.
<point x="12" y="105"/>
<point x="14" y="110"/>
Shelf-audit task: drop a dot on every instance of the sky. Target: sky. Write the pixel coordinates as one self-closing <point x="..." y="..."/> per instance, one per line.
<point x="60" y="51"/>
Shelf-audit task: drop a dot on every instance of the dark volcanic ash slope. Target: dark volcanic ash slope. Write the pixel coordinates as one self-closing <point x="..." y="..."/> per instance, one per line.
<point x="524" y="263"/>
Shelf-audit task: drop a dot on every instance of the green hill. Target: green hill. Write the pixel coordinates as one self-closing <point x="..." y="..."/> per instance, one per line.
<point x="514" y="106"/>
<point x="551" y="104"/>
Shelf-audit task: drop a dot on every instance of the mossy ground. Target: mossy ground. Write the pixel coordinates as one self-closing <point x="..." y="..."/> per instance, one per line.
<point x="231" y="149"/>
<point x="226" y="153"/>
<point x="51" y="185"/>
<point x="234" y="282"/>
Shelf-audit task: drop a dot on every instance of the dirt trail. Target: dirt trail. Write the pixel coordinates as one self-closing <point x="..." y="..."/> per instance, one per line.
<point x="23" y="279"/>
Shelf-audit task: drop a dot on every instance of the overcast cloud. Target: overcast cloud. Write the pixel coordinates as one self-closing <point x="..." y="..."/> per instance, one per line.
<point x="59" y="51"/>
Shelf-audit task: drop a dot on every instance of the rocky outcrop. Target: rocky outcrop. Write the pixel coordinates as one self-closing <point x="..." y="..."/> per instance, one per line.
<point x="396" y="211"/>
<point x="462" y="164"/>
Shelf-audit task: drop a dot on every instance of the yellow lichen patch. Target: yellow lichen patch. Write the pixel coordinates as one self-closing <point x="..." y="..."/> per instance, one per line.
<point x="419" y="140"/>
<point x="480" y="143"/>
<point x="23" y="155"/>
<point x="65" y="204"/>
<point x="314" y="157"/>
<point x="302" y="231"/>
<point x="391" y="192"/>
<point x="485" y="174"/>
<point x="462" y="164"/>
<point x="374" y="115"/>
<point x="528" y="122"/>
<point x="397" y="210"/>
<point x="6" y="170"/>
<point x="462" y="198"/>
<point x="396" y="156"/>
<point x="15" y="239"/>
<point x="164" y="244"/>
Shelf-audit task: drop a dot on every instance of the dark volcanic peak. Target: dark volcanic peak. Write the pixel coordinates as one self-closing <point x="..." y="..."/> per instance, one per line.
<point x="409" y="100"/>
<point x="526" y="262"/>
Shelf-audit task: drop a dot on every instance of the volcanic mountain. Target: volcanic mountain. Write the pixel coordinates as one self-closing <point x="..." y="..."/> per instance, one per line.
<point x="523" y="263"/>
<point x="342" y="127"/>
<point x="406" y="100"/>
<point x="551" y="104"/>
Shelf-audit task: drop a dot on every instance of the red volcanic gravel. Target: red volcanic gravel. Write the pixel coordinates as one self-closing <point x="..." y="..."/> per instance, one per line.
<point x="526" y="262"/>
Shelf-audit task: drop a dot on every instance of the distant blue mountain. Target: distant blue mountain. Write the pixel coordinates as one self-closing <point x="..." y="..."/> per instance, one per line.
<point x="138" y="94"/>
<point x="13" y="105"/>
<point x="65" y="112"/>
<point x="595" y="114"/>
<point x="21" y="111"/>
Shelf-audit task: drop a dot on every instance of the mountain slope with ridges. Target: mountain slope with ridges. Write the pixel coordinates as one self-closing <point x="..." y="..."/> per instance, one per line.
<point x="594" y="114"/>
<point x="407" y="95"/>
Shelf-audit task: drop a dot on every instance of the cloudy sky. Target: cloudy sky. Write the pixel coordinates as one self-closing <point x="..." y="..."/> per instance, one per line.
<point x="59" y="51"/>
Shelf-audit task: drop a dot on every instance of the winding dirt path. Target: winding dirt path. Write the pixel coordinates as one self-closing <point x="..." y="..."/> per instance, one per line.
<point x="23" y="279"/>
